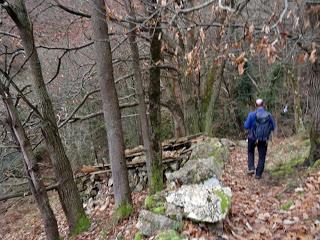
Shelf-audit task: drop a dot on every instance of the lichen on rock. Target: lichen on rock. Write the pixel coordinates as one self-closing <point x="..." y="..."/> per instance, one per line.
<point x="202" y="203"/>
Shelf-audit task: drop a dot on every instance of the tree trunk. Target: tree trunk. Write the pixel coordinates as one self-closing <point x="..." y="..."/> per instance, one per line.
<point x="68" y="193"/>
<point x="145" y="129"/>
<point x="155" y="171"/>
<point x="36" y="186"/>
<point x="214" y="97"/>
<point x="314" y="91"/>
<point x="110" y="104"/>
<point x="298" y="122"/>
<point x="313" y="15"/>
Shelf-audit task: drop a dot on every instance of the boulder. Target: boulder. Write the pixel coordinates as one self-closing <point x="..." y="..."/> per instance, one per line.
<point x="197" y="170"/>
<point x="150" y="224"/>
<point x="228" y="143"/>
<point x="210" y="147"/>
<point x="202" y="203"/>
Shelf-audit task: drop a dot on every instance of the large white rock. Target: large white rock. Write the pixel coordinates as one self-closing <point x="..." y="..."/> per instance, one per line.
<point x="202" y="203"/>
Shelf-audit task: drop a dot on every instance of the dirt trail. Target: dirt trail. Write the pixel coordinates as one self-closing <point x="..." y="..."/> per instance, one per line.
<point x="269" y="209"/>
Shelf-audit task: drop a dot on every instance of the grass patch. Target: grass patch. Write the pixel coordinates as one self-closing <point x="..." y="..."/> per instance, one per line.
<point x="83" y="224"/>
<point x="287" y="205"/>
<point x="155" y="203"/>
<point x="138" y="236"/>
<point x="123" y="211"/>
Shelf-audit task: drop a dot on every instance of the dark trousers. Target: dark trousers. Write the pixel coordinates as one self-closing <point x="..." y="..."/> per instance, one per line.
<point x="262" y="150"/>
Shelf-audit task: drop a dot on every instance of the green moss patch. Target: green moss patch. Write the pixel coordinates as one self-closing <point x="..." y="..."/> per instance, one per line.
<point x="155" y="203"/>
<point x="316" y="165"/>
<point x="123" y="211"/>
<point x="225" y="200"/>
<point x="138" y="236"/>
<point x="83" y="224"/>
<point x="285" y="169"/>
<point x="287" y="205"/>
<point x="168" y="235"/>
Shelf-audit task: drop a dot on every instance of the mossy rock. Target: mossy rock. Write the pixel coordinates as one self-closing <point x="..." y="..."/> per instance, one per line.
<point x="225" y="200"/>
<point x="285" y="169"/>
<point x="155" y="203"/>
<point x="210" y="147"/>
<point x="169" y="235"/>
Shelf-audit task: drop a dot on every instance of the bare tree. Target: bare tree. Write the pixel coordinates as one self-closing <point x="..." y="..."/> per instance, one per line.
<point x="145" y="129"/>
<point x="155" y="170"/>
<point x="32" y="171"/>
<point x="67" y="189"/>
<point x="313" y="16"/>
<point x="110" y="104"/>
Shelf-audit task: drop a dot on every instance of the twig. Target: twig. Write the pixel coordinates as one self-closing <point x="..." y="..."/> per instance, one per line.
<point x="282" y="14"/>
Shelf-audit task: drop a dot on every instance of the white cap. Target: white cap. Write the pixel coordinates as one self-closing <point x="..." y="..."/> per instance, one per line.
<point x="259" y="101"/>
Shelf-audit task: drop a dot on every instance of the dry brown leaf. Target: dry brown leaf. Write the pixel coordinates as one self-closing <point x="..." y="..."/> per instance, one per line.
<point x="313" y="56"/>
<point x="202" y="35"/>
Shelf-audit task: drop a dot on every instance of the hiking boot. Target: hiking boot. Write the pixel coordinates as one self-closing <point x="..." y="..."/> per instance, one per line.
<point x="249" y="172"/>
<point x="257" y="177"/>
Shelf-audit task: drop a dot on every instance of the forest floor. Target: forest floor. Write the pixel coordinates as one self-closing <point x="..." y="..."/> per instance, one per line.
<point x="284" y="204"/>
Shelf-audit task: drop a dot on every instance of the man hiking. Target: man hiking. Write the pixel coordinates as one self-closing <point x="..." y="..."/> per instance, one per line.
<point x="259" y="123"/>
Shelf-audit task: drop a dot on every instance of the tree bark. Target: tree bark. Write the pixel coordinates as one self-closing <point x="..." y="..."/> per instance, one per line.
<point x="178" y="117"/>
<point x="68" y="193"/>
<point x="110" y="104"/>
<point x="313" y="14"/>
<point x="145" y="129"/>
<point x="314" y="91"/>
<point x="32" y="171"/>
<point x="214" y="97"/>
<point x="298" y="122"/>
<point x="155" y="171"/>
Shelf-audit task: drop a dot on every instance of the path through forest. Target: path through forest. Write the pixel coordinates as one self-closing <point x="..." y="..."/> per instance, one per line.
<point x="271" y="208"/>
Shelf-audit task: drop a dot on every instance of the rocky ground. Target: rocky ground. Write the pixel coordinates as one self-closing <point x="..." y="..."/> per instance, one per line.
<point x="284" y="204"/>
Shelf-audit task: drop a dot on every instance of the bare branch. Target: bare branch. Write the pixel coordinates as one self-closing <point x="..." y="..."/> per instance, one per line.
<point x="78" y="107"/>
<point x="282" y="14"/>
<point x="9" y="34"/>
<point x="72" y="11"/>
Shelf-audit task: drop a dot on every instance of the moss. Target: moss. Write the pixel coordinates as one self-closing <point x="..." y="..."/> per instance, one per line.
<point x="225" y="200"/>
<point x="286" y="168"/>
<point x="123" y="211"/>
<point x="168" y="235"/>
<point x="155" y="203"/>
<point x="316" y="165"/>
<point x="156" y="178"/>
<point x="138" y="236"/>
<point x="177" y="226"/>
<point x="83" y="224"/>
<point x="159" y="210"/>
<point x="149" y="202"/>
<point x="287" y="205"/>
<point x="279" y="196"/>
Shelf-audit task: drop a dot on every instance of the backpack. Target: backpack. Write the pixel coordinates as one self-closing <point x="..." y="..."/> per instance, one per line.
<point x="262" y="127"/>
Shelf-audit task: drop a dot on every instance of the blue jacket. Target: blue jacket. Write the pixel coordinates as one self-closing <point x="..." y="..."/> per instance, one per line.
<point x="249" y="123"/>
